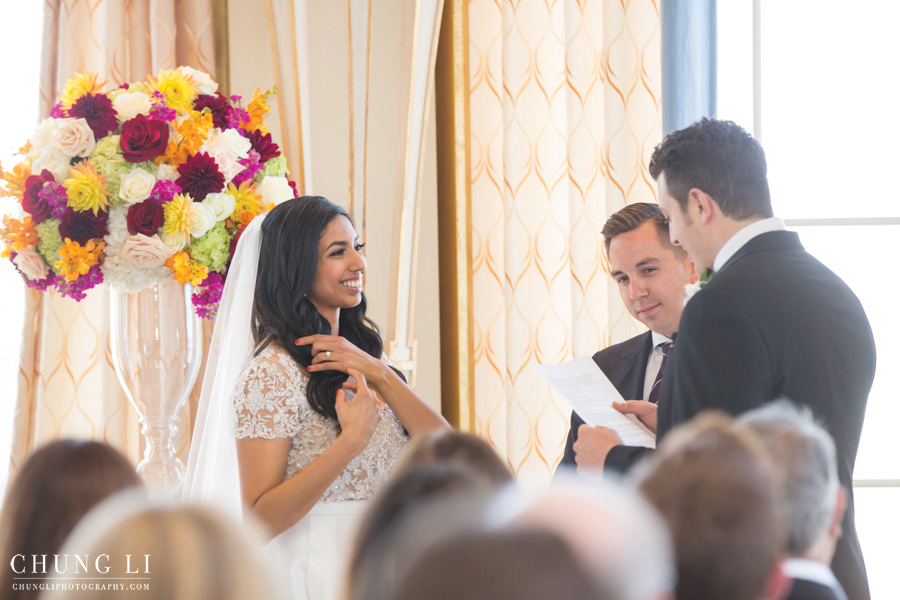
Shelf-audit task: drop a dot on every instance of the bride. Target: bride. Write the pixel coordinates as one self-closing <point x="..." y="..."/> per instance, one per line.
<point x="301" y="415"/>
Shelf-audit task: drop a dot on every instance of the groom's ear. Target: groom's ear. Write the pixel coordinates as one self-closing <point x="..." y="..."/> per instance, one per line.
<point x="702" y="205"/>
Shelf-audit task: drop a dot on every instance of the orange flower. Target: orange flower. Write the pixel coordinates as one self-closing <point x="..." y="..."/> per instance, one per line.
<point x="190" y="134"/>
<point x="19" y="234"/>
<point x="247" y="203"/>
<point x="78" y="260"/>
<point x="256" y="109"/>
<point x="186" y="270"/>
<point x="15" y="180"/>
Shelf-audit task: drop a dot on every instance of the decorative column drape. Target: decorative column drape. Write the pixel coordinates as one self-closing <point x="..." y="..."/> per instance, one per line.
<point x="563" y="115"/>
<point x="67" y="385"/>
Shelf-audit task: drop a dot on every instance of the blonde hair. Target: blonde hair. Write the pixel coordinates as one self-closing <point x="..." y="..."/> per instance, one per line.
<point x="195" y="553"/>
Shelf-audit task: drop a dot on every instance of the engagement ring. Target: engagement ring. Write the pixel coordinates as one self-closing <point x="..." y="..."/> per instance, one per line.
<point x="328" y="354"/>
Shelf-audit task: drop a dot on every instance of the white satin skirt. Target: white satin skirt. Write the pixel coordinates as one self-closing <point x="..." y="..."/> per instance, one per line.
<point x="315" y="551"/>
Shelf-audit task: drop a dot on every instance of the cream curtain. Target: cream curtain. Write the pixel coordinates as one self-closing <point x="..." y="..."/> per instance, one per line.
<point x="67" y="386"/>
<point x="564" y="112"/>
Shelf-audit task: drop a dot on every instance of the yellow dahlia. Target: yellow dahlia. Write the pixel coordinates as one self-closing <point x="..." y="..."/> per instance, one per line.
<point x="84" y="82"/>
<point x="186" y="270"/>
<point x="177" y="216"/>
<point x="77" y="260"/>
<point x="247" y="202"/>
<point x="86" y="189"/>
<point x="178" y="89"/>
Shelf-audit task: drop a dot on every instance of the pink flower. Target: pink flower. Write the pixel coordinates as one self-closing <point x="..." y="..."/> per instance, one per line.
<point x="31" y="264"/>
<point x="144" y="252"/>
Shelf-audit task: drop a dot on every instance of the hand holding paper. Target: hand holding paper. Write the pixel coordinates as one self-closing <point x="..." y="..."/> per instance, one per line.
<point x="590" y="393"/>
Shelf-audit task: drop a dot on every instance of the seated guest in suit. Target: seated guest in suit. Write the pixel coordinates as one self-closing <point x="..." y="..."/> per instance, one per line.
<point x="715" y="486"/>
<point x="805" y="461"/>
<point x="651" y="274"/>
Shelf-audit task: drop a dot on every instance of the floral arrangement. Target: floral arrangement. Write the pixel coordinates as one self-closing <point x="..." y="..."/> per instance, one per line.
<point x="150" y="180"/>
<point x="691" y="289"/>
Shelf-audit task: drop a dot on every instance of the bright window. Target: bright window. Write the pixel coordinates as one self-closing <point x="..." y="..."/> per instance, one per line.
<point x="816" y="83"/>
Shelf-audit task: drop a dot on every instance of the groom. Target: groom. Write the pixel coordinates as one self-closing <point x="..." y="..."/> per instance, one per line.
<point x="773" y="321"/>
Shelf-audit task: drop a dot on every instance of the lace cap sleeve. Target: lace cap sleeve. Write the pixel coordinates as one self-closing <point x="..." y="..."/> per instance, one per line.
<point x="267" y="399"/>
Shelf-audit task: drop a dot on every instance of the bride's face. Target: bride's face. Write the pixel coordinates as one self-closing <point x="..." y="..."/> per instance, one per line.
<point x="338" y="280"/>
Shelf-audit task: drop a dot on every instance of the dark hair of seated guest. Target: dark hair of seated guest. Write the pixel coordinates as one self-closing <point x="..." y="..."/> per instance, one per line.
<point x="53" y="490"/>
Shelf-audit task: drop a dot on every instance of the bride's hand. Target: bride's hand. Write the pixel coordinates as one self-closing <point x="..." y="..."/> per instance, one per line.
<point x="335" y="353"/>
<point x="360" y="416"/>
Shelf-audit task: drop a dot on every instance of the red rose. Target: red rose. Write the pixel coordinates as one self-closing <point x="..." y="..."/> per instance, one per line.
<point x="143" y="138"/>
<point x="145" y="217"/>
<point x="31" y="202"/>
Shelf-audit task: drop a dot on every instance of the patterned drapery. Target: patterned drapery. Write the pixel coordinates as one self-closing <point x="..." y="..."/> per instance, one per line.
<point x="564" y="112"/>
<point x="67" y="385"/>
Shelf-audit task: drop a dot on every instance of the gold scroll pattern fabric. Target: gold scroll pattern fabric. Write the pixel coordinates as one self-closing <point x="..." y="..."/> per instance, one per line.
<point x="67" y="384"/>
<point x="564" y="105"/>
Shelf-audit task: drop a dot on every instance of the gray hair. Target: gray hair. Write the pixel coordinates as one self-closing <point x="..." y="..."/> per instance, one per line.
<point x="805" y="459"/>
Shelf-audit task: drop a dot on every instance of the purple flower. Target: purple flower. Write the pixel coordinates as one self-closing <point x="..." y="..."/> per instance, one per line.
<point x="58" y="112"/>
<point x="163" y="113"/>
<point x="264" y="145"/>
<point x="206" y="298"/>
<point x="252" y="167"/>
<point x="164" y="190"/>
<point x="76" y="289"/>
<point x="42" y="285"/>
<point x="98" y="111"/>
<point x="236" y="116"/>
<point x="54" y="194"/>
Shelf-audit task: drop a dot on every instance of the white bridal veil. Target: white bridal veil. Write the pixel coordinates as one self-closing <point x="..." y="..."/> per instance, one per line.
<point x="212" y="471"/>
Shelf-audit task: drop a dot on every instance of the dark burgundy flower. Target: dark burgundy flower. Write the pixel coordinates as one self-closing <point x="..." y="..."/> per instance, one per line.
<point x="217" y="105"/>
<point x="200" y="176"/>
<point x="143" y="139"/>
<point x="232" y="247"/>
<point x="32" y="202"/>
<point x="294" y="188"/>
<point x="83" y="226"/>
<point x="98" y="111"/>
<point x="264" y="145"/>
<point x="145" y="217"/>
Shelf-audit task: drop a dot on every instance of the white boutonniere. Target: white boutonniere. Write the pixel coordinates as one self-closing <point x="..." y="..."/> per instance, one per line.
<point x="692" y="288"/>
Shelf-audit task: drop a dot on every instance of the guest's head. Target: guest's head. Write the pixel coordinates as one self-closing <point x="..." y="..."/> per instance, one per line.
<point x="52" y="491"/>
<point x="649" y="271"/>
<point x="309" y="281"/>
<point x="522" y="564"/>
<point x="181" y="552"/>
<point x="806" y="464"/>
<point x="421" y="505"/>
<point x="711" y="178"/>
<point x="618" y="536"/>
<point x="467" y="451"/>
<point x="714" y="485"/>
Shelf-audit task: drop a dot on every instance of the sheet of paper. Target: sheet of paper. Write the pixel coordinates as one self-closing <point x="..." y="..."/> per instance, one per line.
<point x="590" y="393"/>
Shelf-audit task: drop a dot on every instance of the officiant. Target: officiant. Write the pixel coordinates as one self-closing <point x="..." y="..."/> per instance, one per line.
<point x="651" y="275"/>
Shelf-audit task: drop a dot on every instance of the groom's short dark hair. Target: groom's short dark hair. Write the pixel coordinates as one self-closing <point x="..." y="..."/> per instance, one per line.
<point x="633" y="216"/>
<point x="720" y="158"/>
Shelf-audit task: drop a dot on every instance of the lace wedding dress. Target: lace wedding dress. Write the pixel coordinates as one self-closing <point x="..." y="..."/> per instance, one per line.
<point x="270" y="402"/>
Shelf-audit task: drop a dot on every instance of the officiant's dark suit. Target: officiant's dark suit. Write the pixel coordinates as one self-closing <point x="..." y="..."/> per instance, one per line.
<point x="773" y="321"/>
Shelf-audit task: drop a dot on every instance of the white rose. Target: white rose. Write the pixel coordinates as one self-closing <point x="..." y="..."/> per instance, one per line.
<point x="73" y="137"/>
<point x="142" y="252"/>
<point x="203" y="219"/>
<point x="31" y="264"/>
<point x="235" y="142"/>
<point x="48" y="158"/>
<point x="203" y="82"/>
<point x="43" y="133"/>
<point x="136" y="186"/>
<point x="174" y="242"/>
<point x="167" y="172"/>
<point x="274" y="190"/>
<point x="226" y="160"/>
<point x="222" y="205"/>
<point x="128" y="105"/>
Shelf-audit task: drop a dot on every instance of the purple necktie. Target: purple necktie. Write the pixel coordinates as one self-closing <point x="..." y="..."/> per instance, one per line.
<point x="654" y="391"/>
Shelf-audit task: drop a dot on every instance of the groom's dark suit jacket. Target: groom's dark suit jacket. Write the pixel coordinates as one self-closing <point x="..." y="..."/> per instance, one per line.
<point x="625" y="365"/>
<point x="776" y="322"/>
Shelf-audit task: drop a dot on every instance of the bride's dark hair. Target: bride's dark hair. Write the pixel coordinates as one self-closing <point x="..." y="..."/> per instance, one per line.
<point x="288" y="258"/>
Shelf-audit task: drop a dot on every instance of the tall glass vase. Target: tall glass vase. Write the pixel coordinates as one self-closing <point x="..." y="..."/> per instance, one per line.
<point x="156" y="349"/>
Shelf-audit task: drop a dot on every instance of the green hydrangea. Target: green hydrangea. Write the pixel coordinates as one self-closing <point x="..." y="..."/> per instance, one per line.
<point x="211" y="250"/>
<point x="107" y="155"/>
<point x="274" y="167"/>
<point x="50" y="242"/>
